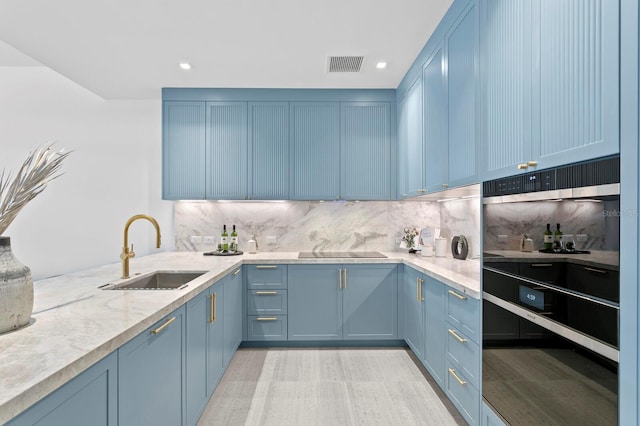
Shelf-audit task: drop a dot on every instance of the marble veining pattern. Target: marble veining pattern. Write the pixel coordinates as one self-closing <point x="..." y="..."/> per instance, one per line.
<point x="330" y="226"/>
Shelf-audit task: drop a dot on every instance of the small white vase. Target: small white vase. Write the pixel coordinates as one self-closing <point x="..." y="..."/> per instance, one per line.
<point x="16" y="290"/>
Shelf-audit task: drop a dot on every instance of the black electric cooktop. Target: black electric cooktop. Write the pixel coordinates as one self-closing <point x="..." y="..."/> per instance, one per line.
<point x="340" y="254"/>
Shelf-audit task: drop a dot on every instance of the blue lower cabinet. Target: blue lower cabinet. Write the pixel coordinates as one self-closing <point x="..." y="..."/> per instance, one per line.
<point x="434" y="329"/>
<point x="463" y="312"/>
<point x="88" y="399"/>
<point x="342" y="302"/>
<point x="232" y="314"/>
<point x="463" y="394"/>
<point x="266" y="327"/>
<point x="464" y="354"/>
<point x="204" y="349"/>
<point x="413" y="327"/>
<point x="315" y="302"/>
<point x="151" y="374"/>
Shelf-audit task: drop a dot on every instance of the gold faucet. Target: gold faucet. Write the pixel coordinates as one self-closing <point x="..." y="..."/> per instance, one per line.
<point x="126" y="253"/>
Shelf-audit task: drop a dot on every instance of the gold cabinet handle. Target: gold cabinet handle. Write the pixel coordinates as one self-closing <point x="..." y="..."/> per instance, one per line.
<point x="163" y="326"/>
<point x="418" y="289"/>
<point x="586" y="268"/>
<point x="212" y="308"/>
<point x="266" y="293"/>
<point x="421" y="295"/>
<point x="266" y="319"/>
<point x="454" y="334"/>
<point x="459" y="296"/>
<point x="523" y="166"/>
<point x="532" y="163"/>
<point x="266" y="266"/>
<point x="345" y="278"/>
<point x="453" y="373"/>
<point x="340" y="279"/>
<point x="236" y="272"/>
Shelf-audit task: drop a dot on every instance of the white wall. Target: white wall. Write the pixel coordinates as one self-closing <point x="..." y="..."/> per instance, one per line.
<point x="113" y="173"/>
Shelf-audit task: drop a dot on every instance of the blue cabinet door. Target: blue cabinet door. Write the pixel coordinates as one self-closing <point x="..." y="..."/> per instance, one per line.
<point x="436" y="151"/>
<point x="577" y="80"/>
<point x="434" y="329"/>
<point x="196" y="356"/>
<point x="365" y="150"/>
<point x="232" y="314"/>
<point x="183" y="150"/>
<point x="268" y="150"/>
<point x="315" y="150"/>
<point x="506" y="49"/>
<point x="88" y="399"/>
<point x="411" y="141"/>
<point x="150" y="374"/>
<point x="412" y="287"/>
<point x="462" y="63"/>
<point x="315" y="302"/>
<point x="226" y="150"/>
<point x="370" y="302"/>
<point x="215" y="335"/>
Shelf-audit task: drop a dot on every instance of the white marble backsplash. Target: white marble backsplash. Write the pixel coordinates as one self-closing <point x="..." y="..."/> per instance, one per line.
<point x="328" y="226"/>
<point x="506" y="223"/>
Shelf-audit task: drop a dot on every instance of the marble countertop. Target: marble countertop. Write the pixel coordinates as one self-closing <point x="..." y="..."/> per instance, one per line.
<point x="597" y="258"/>
<point x="75" y="324"/>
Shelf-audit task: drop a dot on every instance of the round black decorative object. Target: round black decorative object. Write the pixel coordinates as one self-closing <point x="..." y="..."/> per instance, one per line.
<point x="460" y="247"/>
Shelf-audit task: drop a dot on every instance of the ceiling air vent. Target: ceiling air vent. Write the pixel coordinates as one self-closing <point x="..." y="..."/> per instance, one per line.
<point x="345" y="63"/>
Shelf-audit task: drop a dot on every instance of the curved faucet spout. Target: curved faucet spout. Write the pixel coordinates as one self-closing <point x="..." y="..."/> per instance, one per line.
<point x="126" y="253"/>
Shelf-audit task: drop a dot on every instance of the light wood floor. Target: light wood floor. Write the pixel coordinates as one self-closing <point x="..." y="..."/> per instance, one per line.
<point x="327" y="387"/>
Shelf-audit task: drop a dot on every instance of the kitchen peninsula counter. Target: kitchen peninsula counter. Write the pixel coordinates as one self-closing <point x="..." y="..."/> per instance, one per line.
<point x="75" y="323"/>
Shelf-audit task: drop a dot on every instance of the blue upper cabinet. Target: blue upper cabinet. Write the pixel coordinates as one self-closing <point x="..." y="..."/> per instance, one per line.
<point x="183" y="150"/>
<point x="578" y="48"/>
<point x="269" y="150"/>
<point x="315" y="150"/>
<point x="226" y="136"/>
<point x="411" y="169"/>
<point x="550" y="80"/>
<point x="462" y="48"/>
<point x="435" y="122"/>
<point x="365" y="150"/>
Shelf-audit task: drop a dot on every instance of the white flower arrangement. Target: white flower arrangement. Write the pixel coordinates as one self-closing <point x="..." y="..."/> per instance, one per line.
<point x="409" y="237"/>
<point x="36" y="172"/>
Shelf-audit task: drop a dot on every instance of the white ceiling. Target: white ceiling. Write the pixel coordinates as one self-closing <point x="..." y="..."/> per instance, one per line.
<point x="130" y="49"/>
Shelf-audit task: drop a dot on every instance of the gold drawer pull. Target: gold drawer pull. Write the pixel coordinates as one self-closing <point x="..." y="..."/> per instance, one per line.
<point x="266" y="293"/>
<point x="345" y="278"/>
<point x="457" y="295"/>
<point x="340" y="279"/>
<point x="163" y="326"/>
<point x="586" y="268"/>
<point x="212" y="309"/>
<point x="266" y="319"/>
<point x="532" y="163"/>
<point x="236" y="272"/>
<point x="453" y="373"/>
<point x="523" y="166"/>
<point x="454" y="334"/>
<point x="266" y="266"/>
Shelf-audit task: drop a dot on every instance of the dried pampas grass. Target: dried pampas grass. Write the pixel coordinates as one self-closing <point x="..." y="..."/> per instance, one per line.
<point x="36" y="172"/>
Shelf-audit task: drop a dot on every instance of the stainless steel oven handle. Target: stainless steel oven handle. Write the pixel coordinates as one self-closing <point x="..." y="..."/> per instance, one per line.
<point x="538" y="284"/>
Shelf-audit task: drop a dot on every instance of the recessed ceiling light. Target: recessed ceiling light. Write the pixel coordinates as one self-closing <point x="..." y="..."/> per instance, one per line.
<point x="185" y="65"/>
<point x="381" y="65"/>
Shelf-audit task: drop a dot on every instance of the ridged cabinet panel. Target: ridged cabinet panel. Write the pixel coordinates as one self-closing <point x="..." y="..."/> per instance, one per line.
<point x="413" y="158"/>
<point x="506" y="75"/>
<point x="226" y="136"/>
<point x="183" y="151"/>
<point x="269" y="150"/>
<point x="435" y="122"/>
<point x="461" y="80"/>
<point x="365" y="150"/>
<point x="315" y="150"/>
<point x="579" y="83"/>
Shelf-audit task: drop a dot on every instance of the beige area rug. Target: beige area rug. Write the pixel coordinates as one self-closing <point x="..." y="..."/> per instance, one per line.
<point x="325" y="387"/>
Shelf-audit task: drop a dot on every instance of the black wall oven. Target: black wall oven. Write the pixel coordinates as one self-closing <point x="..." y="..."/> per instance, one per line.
<point x="551" y="320"/>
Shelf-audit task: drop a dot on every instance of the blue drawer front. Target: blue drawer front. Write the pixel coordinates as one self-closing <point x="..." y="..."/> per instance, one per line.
<point x="464" y="354"/>
<point x="463" y="394"/>
<point x="267" y="327"/>
<point x="267" y="302"/>
<point x="463" y="312"/>
<point x="262" y="277"/>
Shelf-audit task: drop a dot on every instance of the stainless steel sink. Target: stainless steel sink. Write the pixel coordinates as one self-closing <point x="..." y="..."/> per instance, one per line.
<point x="161" y="280"/>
